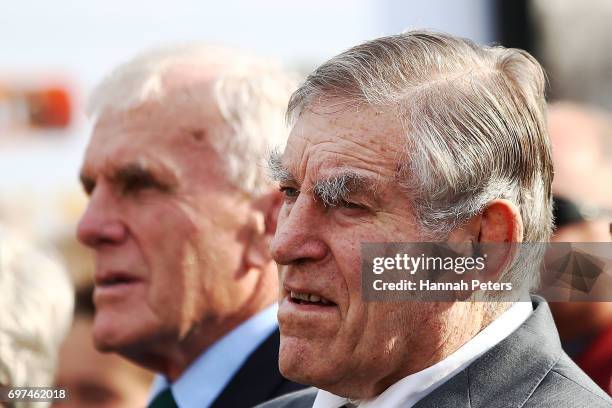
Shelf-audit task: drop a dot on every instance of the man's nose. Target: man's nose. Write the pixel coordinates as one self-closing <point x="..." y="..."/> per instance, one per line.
<point x="297" y="236"/>
<point x="100" y="225"/>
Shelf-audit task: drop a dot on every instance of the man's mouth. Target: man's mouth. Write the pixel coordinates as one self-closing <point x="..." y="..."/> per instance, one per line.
<point x="114" y="279"/>
<point x="302" y="298"/>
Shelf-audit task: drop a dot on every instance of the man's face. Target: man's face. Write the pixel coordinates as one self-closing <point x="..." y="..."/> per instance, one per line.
<point x="166" y="227"/>
<point x="346" y="342"/>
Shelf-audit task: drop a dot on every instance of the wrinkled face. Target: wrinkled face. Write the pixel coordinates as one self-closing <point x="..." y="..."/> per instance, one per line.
<point x="166" y="227"/>
<point x="330" y="337"/>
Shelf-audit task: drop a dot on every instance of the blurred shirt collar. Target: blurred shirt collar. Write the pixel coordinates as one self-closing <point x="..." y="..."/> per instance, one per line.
<point x="210" y="373"/>
<point x="411" y="389"/>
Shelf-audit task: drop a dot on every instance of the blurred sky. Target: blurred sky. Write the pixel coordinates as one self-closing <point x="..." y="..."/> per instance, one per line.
<point x="80" y="41"/>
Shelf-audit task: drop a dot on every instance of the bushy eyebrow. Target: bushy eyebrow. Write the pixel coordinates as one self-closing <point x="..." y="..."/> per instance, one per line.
<point x="277" y="172"/>
<point x="339" y="188"/>
<point x="332" y="190"/>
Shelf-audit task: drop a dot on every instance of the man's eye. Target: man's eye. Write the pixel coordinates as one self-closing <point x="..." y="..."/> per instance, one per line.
<point x="140" y="183"/>
<point x="350" y="205"/>
<point x="88" y="183"/>
<point x="136" y="184"/>
<point x="290" y="192"/>
<point x="88" y="187"/>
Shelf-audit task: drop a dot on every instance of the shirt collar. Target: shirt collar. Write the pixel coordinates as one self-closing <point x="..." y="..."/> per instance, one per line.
<point x="209" y="374"/>
<point x="411" y="389"/>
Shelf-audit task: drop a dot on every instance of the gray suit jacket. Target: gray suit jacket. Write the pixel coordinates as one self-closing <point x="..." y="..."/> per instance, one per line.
<point x="528" y="369"/>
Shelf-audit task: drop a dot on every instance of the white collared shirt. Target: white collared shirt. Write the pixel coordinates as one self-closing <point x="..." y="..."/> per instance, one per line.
<point x="411" y="389"/>
<point x="209" y="374"/>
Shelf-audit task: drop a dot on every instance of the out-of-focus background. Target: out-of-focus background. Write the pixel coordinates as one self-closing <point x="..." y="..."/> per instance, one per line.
<point x="53" y="53"/>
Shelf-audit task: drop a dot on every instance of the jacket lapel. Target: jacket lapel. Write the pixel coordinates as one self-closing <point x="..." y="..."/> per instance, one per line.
<point x="257" y="380"/>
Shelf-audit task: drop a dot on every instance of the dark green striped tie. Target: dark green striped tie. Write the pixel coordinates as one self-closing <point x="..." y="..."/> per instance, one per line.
<point x="163" y="400"/>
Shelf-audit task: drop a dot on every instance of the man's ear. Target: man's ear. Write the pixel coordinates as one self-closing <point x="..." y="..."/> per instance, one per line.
<point x="501" y="221"/>
<point x="264" y="218"/>
<point x="501" y="228"/>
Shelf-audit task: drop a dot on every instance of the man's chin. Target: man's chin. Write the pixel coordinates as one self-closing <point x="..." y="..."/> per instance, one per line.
<point x="300" y="362"/>
<point x="112" y="334"/>
<point x="109" y="339"/>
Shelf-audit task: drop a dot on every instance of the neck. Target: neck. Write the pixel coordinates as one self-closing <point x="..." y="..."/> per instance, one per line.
<point x="172" y="357"/>
<point x="172" y="354"/>
<point x="455" y="327"/>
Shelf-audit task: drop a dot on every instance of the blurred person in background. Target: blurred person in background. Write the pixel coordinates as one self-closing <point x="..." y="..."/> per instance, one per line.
<point x="94" y="379"/>
<point x="36" y="302"/>
<point x="180" y="217"/>
<point x="581" y="138"/>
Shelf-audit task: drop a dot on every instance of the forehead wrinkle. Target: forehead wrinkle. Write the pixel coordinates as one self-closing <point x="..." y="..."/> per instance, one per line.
<point x="343" y="144"/>
<point x="346" y="152"/>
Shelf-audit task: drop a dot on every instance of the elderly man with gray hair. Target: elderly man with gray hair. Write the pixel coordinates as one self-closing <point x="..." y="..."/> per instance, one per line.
<point x="180" y="217"/>
<point x="413" y="138"/>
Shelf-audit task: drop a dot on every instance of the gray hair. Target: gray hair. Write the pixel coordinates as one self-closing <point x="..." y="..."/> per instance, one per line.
<point x="251" y="94"/>
<point x="474" y="119"/>
<point x="36" y="299"/>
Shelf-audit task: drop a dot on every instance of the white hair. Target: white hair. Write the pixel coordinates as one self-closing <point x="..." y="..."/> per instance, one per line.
<point x="251" y="94"/>
<point x="474" y="119"/>
<point x="36" y="300"/>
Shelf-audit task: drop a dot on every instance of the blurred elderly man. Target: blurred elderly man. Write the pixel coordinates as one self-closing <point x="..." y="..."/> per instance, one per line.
<point x="413" y="138"/>
<point x="180" y="217"/>
<point x="36" y="300"/>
